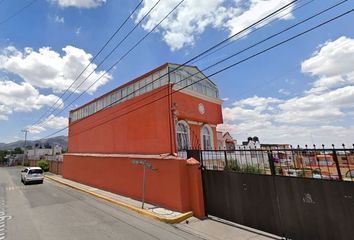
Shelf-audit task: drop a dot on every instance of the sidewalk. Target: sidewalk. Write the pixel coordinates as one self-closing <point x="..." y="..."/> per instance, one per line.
<point x="212" y="228"/>
<point x="218" y="229"/>
<point x="155" y="212"/>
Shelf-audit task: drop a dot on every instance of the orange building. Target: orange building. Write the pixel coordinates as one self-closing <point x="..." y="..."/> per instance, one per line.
<point x="156" y="116"/>
<point x="141" y="117"/>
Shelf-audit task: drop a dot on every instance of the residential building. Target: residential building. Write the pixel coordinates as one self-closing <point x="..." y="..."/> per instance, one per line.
<point x="37" y="153"/>
<point x="226" y="141"/>
<point x="154" y="118"/>
<point x="142" y="116"/>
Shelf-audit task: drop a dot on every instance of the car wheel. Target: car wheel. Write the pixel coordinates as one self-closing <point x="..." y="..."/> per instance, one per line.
<point x="41" y="182"/>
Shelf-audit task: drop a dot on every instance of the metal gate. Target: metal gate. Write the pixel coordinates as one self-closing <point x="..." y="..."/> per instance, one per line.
<point x="277" y="194"/>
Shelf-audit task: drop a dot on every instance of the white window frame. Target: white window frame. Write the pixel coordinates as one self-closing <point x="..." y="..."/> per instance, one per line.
<point x="185" y="124"/>
<point x="211" y="135"/>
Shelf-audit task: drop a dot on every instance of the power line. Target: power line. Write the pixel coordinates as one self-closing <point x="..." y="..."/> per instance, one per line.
<point x="278" y="77"/>
<point x="17" y="12"/>
<point x="196" y="57"/>
<point x="235" y="54"/>
<point x="107" y="56"/>
<point x="232" y="41"/>
<point x="223" y="69"/>
<point x="92" y="60"/>
<point x="122" y="57"/>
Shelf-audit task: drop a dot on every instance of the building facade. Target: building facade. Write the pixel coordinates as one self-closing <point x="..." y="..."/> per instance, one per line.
<point x="155" y="117"/>
<point x="162" y="111"/>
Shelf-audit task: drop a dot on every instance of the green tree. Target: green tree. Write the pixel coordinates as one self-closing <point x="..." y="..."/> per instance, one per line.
<point x="17" y="150"/>
<point x="44" y="164"/>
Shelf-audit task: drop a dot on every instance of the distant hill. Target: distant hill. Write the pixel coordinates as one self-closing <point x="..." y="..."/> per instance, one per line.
<point x="60" y="140"/>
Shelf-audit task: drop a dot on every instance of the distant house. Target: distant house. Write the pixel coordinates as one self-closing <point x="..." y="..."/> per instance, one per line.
<point x="37" y="153"/>
<point x="226" y="141"/>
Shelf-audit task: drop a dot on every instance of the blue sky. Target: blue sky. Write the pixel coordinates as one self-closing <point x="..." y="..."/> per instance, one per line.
<point x="299" y="93"/>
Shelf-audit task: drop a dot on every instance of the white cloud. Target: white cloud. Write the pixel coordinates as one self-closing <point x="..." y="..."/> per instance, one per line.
<point x="46" y="68"/>
<point x="332" y="63"/>
<point x="192" y="18"/>
<point x="51" y="122"/>
<point x="257" y="9"/>
<point x="318" y="116"/>
<point x="79" y="3"/>
<point x="284" y="92"/>
<point x="58" y="19"/>
<point x="22" y="97"/>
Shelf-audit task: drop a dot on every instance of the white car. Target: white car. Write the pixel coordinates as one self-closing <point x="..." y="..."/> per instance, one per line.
<point x="32" y="174"/>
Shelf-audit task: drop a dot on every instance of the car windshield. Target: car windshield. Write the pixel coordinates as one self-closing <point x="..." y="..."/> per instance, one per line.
<point x="35" y="171"/>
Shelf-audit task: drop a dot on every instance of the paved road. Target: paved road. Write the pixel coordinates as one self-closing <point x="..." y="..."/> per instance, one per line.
<point x="51" y="211"/>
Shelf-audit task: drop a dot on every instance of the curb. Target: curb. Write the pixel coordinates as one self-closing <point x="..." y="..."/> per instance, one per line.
<point x="174" y="220"/>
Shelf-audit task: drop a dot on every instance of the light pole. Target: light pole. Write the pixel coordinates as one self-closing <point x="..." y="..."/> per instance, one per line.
<point x="24" y="147"/>
<point x="145" y="164"/>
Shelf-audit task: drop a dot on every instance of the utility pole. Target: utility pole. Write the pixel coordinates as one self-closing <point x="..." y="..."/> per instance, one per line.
<point x="24" y="147"/>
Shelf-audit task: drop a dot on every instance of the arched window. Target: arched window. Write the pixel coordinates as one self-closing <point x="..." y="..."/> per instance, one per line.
<point x="182" y="136"/>
<point x="207" y="138"/>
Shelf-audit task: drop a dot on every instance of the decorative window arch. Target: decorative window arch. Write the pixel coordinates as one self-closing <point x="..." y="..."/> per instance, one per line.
<point x="206" y="137"/>
<point x="183" y="136"/>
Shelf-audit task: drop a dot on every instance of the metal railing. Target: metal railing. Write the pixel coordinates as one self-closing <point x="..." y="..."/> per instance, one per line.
<point x="318" y="163"/>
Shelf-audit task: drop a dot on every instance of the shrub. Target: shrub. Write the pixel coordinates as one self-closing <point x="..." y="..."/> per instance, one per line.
<point x="251" y="169"/>
<point x="233" y="166"/>
<point x="44" y="164"/>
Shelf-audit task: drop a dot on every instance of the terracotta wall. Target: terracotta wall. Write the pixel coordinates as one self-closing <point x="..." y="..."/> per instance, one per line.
<point x="128" y="127"/>
<point x="187" y="107"/>
<point x="137" y="127"/>
<point x="175" y="185"/>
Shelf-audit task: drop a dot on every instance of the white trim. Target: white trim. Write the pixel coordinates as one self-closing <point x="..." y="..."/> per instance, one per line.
<point x="194" y="122"/>
<point x="198" y="95"/>
<point x="185" y="123"/>
<point x="211" y="137"/>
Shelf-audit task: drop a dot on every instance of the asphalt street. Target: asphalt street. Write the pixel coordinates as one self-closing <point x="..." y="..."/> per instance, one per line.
<point x="51" y="211"/>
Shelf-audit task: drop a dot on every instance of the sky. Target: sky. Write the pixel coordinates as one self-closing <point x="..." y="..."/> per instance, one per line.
<point x="301" y="92"/>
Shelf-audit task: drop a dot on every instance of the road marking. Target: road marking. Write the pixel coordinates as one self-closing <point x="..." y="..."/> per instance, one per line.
<point x="12" y="188"/>
<point x="4" y="217"/>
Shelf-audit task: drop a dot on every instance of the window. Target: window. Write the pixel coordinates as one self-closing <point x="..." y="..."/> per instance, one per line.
<point x="130" y="93"/>
<point x="35" y="171"/>
<point x="148" y="83"/>
<point x="142" y="86"/>
<point x="207" y="138"/>
<point x="182" y="136"/>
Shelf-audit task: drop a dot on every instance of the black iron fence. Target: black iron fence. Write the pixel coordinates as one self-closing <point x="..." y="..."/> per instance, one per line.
<point x="318" y="163"/>
<point x="296" y="193"/>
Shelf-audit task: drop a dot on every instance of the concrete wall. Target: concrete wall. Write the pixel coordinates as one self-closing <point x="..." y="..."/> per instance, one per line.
<point x="55" y="167"/>
<point x="175" y="185"/>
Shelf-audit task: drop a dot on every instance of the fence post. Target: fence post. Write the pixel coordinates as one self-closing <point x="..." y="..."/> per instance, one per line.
<point x="226" y="164"/>
<point x="335" y="159"/>
<point x="271" y="163"/>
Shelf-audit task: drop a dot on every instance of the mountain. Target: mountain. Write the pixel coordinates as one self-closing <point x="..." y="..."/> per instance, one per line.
<point x="60" y="140"/>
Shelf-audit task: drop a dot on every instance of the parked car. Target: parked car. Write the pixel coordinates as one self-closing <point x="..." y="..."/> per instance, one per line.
<point x="32" y="174"/>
